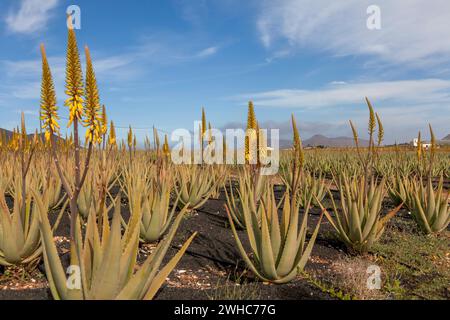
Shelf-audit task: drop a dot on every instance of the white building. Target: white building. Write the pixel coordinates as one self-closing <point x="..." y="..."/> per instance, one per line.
<point x="425" y="144"/>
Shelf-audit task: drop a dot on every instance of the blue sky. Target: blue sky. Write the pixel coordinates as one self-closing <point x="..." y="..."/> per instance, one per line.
<point x="158" y="62"/>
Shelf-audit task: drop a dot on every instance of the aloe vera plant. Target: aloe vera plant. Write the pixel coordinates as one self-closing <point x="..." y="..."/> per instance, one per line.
<point x="152" y="201"/>
<point x="106" y="260"/>
<point x="279" y="249"/>
<point x="20" y="239"/>
<point x="399" y="190"/>
<point x="246" y="197"/>
<point x="430" y="209"/>
<point x="19" y="235"/>
<point x="359" y="223"/>
<point x="136" y="183"/>
<point x="149" y="196"/>
<point x="237" y="204"/>
<point x="194" y="186"/>
<point x="156" y="214"/>
<point x="53" y="186"/>
<point x="315" y="185"/>
<point x="219" y="173"/>
<point x="87" y="197"/>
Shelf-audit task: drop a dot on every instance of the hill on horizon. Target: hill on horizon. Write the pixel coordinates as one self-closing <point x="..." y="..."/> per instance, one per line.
<point x="8" y="134"/>
<point x="321" y="140"/>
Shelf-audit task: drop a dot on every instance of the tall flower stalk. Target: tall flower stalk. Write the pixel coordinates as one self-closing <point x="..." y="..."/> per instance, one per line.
<point x="49" y="109"/>
<point x="78" y="108"/>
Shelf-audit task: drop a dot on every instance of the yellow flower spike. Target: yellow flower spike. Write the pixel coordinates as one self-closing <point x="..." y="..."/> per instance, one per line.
<point x="112" y="135"/>
<point x="130" y="138"/>
<point x="203" y="122"/>
<point x="74" y="79"/>
<point x="251" y="124"/>
<point x="92" y="104"/>
<point x="380" y="130"/>
<point x="298" y="148"/>
<point x="23" y="133"/>
<point x="14" y="141"/>
<point x="36" y="140"/>
<point x="104" y="121"/>
<point x="419" y="147"/>
<point x="433" y="140"/>
<point x="371" y="126"/>
<point x="49" y="115"/>
<point x="166" y="149"/>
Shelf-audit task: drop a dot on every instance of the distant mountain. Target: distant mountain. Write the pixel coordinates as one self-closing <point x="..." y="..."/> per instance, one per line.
<point x="447" y="137"/>
<point x="5" y="133"/>
<point x="321" y="140"/>
<point x="8" y="134"/>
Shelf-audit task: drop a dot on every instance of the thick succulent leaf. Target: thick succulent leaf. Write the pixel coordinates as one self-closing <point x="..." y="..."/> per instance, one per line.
<point x="105" y="282"/>
<point x="241" y="249"/>
<point x="32" y="242"/>
<point x="275" y="232"/>
<point x="266" y="254"/>
<point x="289" y="249"/>
<point x="355" y="234"/>
<point x="164" y="272"/>
<point x="420" y="215"/>
<point x="139" y="283"/>
<point x="53" y="266"/>
<point x="302" y="257"/>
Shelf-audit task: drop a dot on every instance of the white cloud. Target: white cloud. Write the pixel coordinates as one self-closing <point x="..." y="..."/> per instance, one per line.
<point x="22" y="75"/>
<point x="31" y="16"/>
<point x="404" y="106"/>
<point x="411" y="32"/>
<point x="110" y="65"/>
<point x="207" y="52"/>
<point x="410" y="91"/>
<point x="28" y="90"/>
<point x="32" y="69"/>
<point x="20" y="78"/>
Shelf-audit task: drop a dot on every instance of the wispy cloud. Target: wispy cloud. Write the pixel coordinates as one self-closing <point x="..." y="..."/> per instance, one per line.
<point x="404" y="106"/>
<point x="21" y="77"/>
<point x="412" y="32"/>
<point x="207" y="52"/>
<point x="341" y="93"/>
<point x="30" y="16"/>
